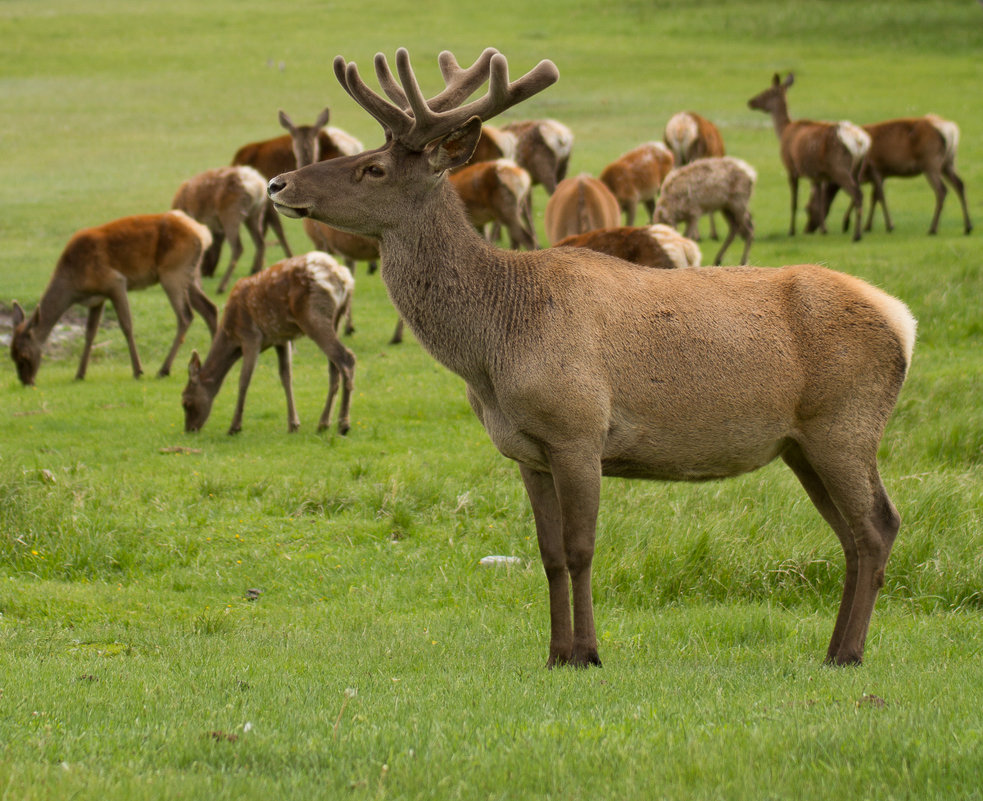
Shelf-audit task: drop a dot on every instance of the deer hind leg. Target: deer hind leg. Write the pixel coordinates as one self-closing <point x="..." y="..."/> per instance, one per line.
<point x="857" y="508"/>
<point x="650" y="210"/>
<point x="732" y="226"/>
<point x="231" y="232"/>
<point x="122" y="305"/>
<point x="793" y="185"/>
<point x="254" y="224"/>
<point x="342" y="366"/>
<point x="209" y="260"/>
<point x="949" y="171"/>
<point x="91" y="326"/>
<point x="284" y="364"/>
<point x="877" y="196"/>
<point x="202" y="304"/>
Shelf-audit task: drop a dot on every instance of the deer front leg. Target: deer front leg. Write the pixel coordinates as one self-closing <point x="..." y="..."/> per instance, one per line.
<point x="793" y="185"/>
<point x="91" y="326"/>
<point x="250" y="353"/>
<point x="122" y="306"/>
<point x="284" y="364"/>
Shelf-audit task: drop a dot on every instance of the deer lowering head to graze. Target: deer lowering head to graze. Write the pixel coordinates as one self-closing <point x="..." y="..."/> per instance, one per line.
<point x="493" y="144"/>
<point x="580" y="205"/>
<point x="497" y="192"/>
<point x="823" y="152"/>
<point x="636" y="177"/>
<point x="904" y="148"/>
<point x="300" y="296"/>
<point x="223" y="199"/>
<point x="690" y="137"/>
<point x="706" y="185"/>
<point x="104" y="263"/>
<point x="656" y="246"/>
<point x="581" y="365"/>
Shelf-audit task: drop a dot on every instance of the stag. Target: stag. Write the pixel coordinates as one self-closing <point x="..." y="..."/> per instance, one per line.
<point x="823" y="152"/>
<point x="301" y="295"/>
<point x="106" y="262"/>
<point x="581" y="365"/>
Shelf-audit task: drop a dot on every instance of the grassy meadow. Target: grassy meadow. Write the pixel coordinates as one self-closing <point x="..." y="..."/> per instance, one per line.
<point x="304" y="616"/>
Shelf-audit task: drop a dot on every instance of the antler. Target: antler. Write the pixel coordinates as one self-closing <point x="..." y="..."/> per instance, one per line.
<point x="415" y="121"/>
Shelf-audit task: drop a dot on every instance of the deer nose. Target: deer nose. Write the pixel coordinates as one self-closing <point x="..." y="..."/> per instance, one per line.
<point x="275" y="185"/>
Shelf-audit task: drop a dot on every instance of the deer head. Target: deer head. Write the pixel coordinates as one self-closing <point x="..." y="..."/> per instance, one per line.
<point x="25" y="347"/>
<point x="195" y="399"/>
<point x="772" y="98"/>
<point x="304" y="138"/>
<point x="372" y="192"/>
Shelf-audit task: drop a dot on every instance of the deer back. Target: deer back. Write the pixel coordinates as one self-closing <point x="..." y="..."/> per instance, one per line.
<point x="579" y="205"/>
<point x="910" y="146"/>
<point x="638" y="174"/>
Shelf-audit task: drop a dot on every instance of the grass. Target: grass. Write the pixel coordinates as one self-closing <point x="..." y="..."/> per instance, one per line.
<point x="305" y="615"/>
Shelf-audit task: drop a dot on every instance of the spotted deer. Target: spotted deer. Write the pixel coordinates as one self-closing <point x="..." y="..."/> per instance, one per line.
<point x="580" y="365"/>
<point x="105" y="263"/>
<point x="300" y="296"/>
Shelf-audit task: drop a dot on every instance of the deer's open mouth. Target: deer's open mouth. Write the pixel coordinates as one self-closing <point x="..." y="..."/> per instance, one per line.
<point x="290" y="211"/>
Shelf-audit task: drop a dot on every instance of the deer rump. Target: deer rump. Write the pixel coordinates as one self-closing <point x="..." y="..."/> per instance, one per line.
<point x="668" y="378"/>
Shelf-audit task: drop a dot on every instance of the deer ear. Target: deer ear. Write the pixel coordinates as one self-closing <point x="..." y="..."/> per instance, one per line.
<point x="194" y="367"/>
<point x="776" y="79"/>
<point x="322" y="118"/>
<point x="789" y="80"/>
<point x="455" y="148"/>
<point x="285" y="120"/>
<point x="18" y="315"/>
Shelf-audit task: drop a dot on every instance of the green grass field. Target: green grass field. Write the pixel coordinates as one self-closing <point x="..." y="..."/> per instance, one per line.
<point x="378" y="659"/>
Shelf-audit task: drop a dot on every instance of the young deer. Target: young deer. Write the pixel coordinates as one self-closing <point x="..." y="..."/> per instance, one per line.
<point x="106" y="262"/>
<point x="636" y="176"/>
<point x="820" y="151"/>
<point x="223" y="199"/>
<point x="904" y="148"/>
<point x="302" y="295"/>
<point x="542" y="148"/>
<point x="690" y="137"/>
<point x="581" y="365"/>
<point x="497" y="192"/>
<point x="656" y="246"/>
<point x="580" y="205"/>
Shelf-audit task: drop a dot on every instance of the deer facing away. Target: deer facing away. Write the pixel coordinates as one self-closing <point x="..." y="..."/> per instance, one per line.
<point x="301" y="295"/>
<point x="579" y="205"/>
<point x="581" y="365"/>
<point x="106" y="262"/>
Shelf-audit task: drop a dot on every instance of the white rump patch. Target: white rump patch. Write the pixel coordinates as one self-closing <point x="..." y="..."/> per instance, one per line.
<point x="558" y="137"/>
<point x="516" y="179"/>
<point x="744" y="167"/>
<point x="333" y="277"/>
<point x="949" y="131"/>
<point x="854" y="138"/>
<point x="683" y="252"/>
<point x="681" y="133"/>
<point x="898" y="315"/>
<point x="505" y="141"/>
<point x="204" y="234"/>
<point x="344" y="141"/>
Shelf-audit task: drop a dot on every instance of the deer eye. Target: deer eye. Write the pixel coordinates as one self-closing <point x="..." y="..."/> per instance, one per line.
<point x="374" y="170"/>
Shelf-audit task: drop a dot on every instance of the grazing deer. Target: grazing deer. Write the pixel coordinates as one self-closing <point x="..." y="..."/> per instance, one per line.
<point x="542" y="148"/>
<point x="497" y="192"/>
<point x="636" y="176"/>
<point x="581" y="365"/>
<point x="302" y="295"/>
<point x="493" y="144"/>
<point x="580" y="205"/>
<point x="106" y="262"/>
<point x="274" y="156"/>
<point x="690" y="137"/>
<point x="656" y="246"/>
<point x="703" y="186"/>
<point x="223" y="199"/>
<point x="820" y="151"/>
<point x="903" y="148"/>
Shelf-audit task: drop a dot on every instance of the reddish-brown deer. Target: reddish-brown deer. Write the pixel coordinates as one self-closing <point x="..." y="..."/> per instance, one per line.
<point x="104" y="263"/>
<point x="690" y="137"/>
<point x="302" y="295"/>
<point x="656" y="246"/>
<point x="904" y="148"/>
<point x="580" y="205"/>
<point x="542" y="148"/>
<point x="497" y="192"/>
<point x="823" y="152"/>
<point x="636" y="176"/>
<point x="223" y="199"/>
<point x="581" y="365"/>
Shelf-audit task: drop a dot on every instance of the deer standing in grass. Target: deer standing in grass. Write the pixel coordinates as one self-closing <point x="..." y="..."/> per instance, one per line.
<point x="497" y="192"/>
<point x="302" y="295"/>
<point x="104" y="263"/>
<point x="223" y="199"/>
<point x="658" y="246"/>
<point x="823" y="152"/>
<point x="904" y="148"/>
<point x="690" y="136"/>
<point x="636" y="176"/>
<point x="581" y="365"/>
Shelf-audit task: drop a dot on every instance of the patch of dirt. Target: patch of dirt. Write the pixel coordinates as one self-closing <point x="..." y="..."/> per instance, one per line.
<point x="70" y="327"/>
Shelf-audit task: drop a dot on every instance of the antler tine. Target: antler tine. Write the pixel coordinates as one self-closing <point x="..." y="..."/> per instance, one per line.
<point x="394" y="120"/>
<point x="460" y="83"/>
<point x="388" y="82"/>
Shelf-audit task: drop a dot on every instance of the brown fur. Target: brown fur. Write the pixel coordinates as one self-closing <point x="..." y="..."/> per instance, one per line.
<point x="535" y="153"/>
<point x="106" y="262"/>
<point x="300" y="296"/>
<point x="639" y="245"/>
<point x="810" y="149"/>
<point x="636" y="176"/>
<point x="581" y="365"/>
<point x="497" y="192"/>
<point x="579" y="205"/>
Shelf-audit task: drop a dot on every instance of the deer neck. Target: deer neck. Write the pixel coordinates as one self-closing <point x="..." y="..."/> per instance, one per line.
<point x="223" y="354"/>
<point x="446" y="281"/>
<point x="50" y="309"/>
<point x="779" y="117"/>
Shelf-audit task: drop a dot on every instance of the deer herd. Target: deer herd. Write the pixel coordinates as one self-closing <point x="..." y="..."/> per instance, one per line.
<point x="580" y="359"/>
